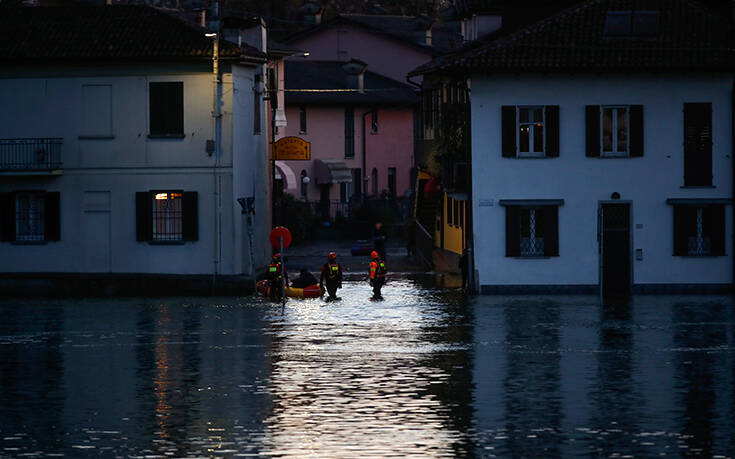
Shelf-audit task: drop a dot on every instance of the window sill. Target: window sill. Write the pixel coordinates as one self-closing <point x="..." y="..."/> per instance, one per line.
<point x="615" y="157"/>
<point x="166" y="242"/>
<point x="700" y="256"/>
<point x="29" y="242"/>
<point x="302" y="133"/>
<point x="96" y="137"/>
<point x="697" y="186"/>
<point x="530" y="257"/>
<point x="166" y="136"/>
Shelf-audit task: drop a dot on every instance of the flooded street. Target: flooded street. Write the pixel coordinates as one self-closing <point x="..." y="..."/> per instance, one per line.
<point x="424" y="373"/>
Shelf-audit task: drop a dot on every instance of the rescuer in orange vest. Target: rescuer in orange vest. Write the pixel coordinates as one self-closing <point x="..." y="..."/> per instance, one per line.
<point x="377" y="274"/>
<point x="332" y="276"/>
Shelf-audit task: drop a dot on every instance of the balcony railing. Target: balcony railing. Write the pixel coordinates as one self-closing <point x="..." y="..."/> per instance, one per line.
<point x="30" y="155"/>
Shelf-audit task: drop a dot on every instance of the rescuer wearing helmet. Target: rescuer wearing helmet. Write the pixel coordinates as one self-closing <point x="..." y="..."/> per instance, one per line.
<point x="377" y="274"/>
<point x="332" y="275"/>
<point x="275" y="273"/>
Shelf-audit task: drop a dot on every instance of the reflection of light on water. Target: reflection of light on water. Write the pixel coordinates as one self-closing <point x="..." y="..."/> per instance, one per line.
<point x="350" y="379"/>
<point x="162" y="380"/>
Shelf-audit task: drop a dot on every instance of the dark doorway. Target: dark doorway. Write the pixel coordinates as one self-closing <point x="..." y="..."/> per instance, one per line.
<point x="324" y="201"/>
<point x="615" y="250"/>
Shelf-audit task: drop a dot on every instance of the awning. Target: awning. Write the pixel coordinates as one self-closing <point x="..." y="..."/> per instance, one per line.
<point x="330" y="171"/>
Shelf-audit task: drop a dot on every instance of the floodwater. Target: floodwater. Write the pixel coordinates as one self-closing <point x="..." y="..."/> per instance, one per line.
<point x="424" y="373"/>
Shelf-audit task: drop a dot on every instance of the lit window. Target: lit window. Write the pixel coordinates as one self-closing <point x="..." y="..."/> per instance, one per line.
<point x="530" y="131"/>
<point x="167" y="216"/>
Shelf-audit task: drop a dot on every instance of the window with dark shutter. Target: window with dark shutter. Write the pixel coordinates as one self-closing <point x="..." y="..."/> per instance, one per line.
<point x="698" y="144"/>
<point x="636" y="130"/>
<point x="52" y="218"/>
<point x="7" y="217"/>
<point x="592" y="121"/>
<point x="551" y="231"/>
<point x="349" y="132"/>
<point x="512" y="231"/>
<point x="508" y="113"/>
<point x="699" y="230"/>
<point x="143" y="215"/>
<point x="552" y="130"/>
<point x="166" y="105"/>
<point x="191" y="216"/>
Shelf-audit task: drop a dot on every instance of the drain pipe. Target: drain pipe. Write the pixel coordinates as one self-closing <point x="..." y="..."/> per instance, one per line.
<point x="732" y="159"/>
<point x="217" y="121"/>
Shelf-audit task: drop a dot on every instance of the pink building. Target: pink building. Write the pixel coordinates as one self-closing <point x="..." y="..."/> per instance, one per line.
<point x="360" y="125"/>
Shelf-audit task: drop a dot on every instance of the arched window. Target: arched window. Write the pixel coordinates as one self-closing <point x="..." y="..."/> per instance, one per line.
<point x="304" y="186"/>
<point x="374" y="180"/>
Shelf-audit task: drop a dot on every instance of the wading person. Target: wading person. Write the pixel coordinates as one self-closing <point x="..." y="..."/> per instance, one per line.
<point x="275" y="273"/>
<point x="331" y="276"/>
<point x="377" y="274"/>
<point x="305" y="279"/>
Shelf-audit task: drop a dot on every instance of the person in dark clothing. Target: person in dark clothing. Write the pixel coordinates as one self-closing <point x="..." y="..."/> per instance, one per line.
<point x="331" y="276"/>
<point x="275" y="273"/>
<point x="464" y="268"/>
<point x="379" y="238"/>
<point x="377" y="274"/>
<point x="305" y="279"/>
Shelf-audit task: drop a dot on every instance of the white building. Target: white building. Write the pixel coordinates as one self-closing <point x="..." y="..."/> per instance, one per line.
<point x="602" y="150"/>
<point x="108" y="154"/>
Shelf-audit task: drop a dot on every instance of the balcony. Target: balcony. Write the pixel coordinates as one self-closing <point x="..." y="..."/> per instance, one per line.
<point x="39" y="156"/>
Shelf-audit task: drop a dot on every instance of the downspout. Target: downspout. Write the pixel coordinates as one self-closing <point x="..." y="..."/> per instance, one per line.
<point x="363" y="185"/>
<point x="216" y="118"/>
<point x="732" y="159"/>
<point x="469" y="214"/>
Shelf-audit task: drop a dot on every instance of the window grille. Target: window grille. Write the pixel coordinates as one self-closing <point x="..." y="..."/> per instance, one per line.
<point x="167" y="216"/>
<point x="699" y="244"/>
<point x="532" y="245"/>
<point x="29" y="221"/>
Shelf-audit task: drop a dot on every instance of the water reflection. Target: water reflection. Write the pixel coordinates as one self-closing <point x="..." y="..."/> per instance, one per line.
<point x="427" y="372"/>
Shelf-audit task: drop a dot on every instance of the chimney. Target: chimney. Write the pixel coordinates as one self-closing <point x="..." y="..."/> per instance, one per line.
<point x="311" y="12"/>
<point x="479" y="25"/>
<point x="355" y="71"/>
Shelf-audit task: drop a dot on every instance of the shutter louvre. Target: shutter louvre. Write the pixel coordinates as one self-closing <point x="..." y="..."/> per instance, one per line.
<point x="7" y="217"/>
<point x="685" y="225"/>
<point x="698" y="144"/>
<point x="551" y="231"/>
<point x="508" y="120"/>
<point x="143" y="216"/>
<point x="636" y="130"/>
<point x="512" y="231"/>
<point x="592" y="124"/>
<point x="717" y="230"/>
<point x="52" y="216"/>
<point x="190" y="229"/>
<point x="552" y="131"/>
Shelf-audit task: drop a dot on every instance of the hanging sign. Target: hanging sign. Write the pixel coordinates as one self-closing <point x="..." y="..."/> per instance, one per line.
<point x="292" y="148"/>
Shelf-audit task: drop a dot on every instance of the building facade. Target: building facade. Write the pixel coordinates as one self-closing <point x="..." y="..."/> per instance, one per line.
<point x="605" y="167"/>
<point x="116" y="164"/>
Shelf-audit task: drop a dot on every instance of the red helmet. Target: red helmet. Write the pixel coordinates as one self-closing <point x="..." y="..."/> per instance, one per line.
<point x="374" y="255"/>
<point x="332" y="256"/>
<point x="276" y="256"/>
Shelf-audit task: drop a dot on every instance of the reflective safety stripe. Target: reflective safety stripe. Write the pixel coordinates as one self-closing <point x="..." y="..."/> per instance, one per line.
<point x="335" y="268"/>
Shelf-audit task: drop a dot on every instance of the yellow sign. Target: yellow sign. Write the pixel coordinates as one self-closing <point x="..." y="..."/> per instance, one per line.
<point x="292" y="148"/>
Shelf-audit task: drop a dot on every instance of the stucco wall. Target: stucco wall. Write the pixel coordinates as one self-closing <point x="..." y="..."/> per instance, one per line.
<point x="582" y="182"/>
<point x="94" y="240"/>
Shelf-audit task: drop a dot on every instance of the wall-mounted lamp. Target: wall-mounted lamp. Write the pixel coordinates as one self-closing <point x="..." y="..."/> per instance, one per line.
<point x="210" y="34"/>
<point x="306" y="179"/>
<point x="615" y="195"/>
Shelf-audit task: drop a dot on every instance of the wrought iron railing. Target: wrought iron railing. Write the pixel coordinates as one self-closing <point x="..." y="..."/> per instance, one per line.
<point x="424" y="246"/>
<point x="37" y="154"/>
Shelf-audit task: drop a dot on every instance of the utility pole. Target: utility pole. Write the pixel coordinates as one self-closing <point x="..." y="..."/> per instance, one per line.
<point x="217" y="125"/>
<point x="273" y="98"/>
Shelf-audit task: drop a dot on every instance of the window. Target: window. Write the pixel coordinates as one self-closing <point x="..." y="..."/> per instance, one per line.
<point x="167" y="216"/>
<point x="29" y="213"/>
<point x="166" y="109"/>
<point x="698" y="144"/>
<point x="629" y="24"/>
<point x="29" y="216"/>
<point x="450" y="209"/>
<point x="96" y="111"/>
<point x="462" y="206"/>
<point x="457" y="204"/>
<point x="531" y="231"/>
<point x="304" y="187"/>
<point x="392" y="181"/>
<point x="302" y="120"/>
<point x="699" y="230"/>
<point x="614" y="131"/>
<point x="256" y="105"/>
<point x="530" y="131"/>
<point x="349" y="132"/>
<point x="345" y="191"/>
<point x="357" y="181"/>
<point x="374" y="180"/>
<point x="374" y="122"/>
